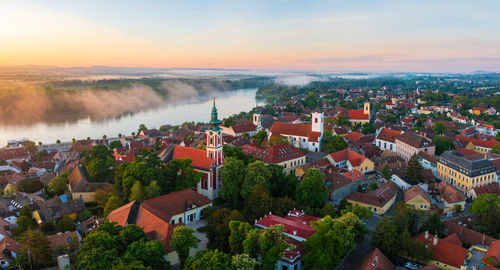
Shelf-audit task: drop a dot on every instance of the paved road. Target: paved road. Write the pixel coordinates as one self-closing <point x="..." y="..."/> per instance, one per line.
<point x="201" y="236"/>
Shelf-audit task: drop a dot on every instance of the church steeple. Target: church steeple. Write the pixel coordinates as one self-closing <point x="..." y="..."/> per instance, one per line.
<point x="214" y="121"/>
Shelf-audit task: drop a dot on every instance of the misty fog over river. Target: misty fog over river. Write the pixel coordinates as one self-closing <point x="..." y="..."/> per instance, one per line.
<point x="192" y="109"/>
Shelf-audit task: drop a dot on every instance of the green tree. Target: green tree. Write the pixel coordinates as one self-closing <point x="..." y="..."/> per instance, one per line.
<point x="496" y="148"/>
<point x="209" y="259"/>
<point x="385" y="236"/>
<point x="257" y="173"/>
<point x="360" y="211"/>
<point x="38" y="246"/>
<point x="115" y="247"/>
<point x="312" y="191"/>
<point x="260" y="136"/>
<point x="351" y="228"/>
<point x="258" y="204"/>
<point x="439" y="128"/>
<point x="372" y="186"/>
<point x="272" y="244"/>
<point x="457" y="208"/>
<point x="280" y="184"/>
<point x="99" y="163"/>
<point x="218" y="231"/>
<point x="30" y="185"/>
<point x="113" y="202"/>
<point x="277" y="139"/>
<point x="238" y="234"/>
<point x="59" y="184"/>
<point x="487" y="206"/>
<point x="65" y="224"/>
<point x="179" y="175"/>
<point x="10" y="190"/>
<point x="406" y="217"/>
<point x="24" y="166"/>
<point x="25" y="220"/>
<point x="142" y="127"/>
<point x="232" y="175"/>
<point x="386" y="173"/>
<point x="433" y="224"/>
<point x="137" y="192"/>
<point x="243" y="262"/>
<point x="415" y="170"/>
<point x="332" y="144"/>
<point x="182" y="241"/>
<point x="251" y="244"/>
<point x="325" y="248"/>
<point x="442" y="145"/>
<point x="115" y="144"/>
<point x="368" y="128"/>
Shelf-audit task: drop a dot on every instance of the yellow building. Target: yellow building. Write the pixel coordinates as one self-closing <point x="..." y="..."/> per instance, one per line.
<point x="351" y="160"/>
<point x="360" y="116"/>
<point x="465" y="172"/>
<point x="418" y="198"/>
<point x="378" y="201"/>
<point x="80" y="187"/>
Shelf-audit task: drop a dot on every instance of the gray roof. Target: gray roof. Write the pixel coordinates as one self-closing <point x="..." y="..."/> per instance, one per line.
<point x="469" y="165"/>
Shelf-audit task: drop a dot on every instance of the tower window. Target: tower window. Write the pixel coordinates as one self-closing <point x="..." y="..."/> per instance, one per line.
<point x="315" y="120"/>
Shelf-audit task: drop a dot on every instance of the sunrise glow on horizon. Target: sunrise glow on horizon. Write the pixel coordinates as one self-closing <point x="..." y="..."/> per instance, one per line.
<point x="431" y="36"/>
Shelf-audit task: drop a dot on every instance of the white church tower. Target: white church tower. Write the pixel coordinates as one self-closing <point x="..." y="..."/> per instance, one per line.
<point x="317" y="122"/>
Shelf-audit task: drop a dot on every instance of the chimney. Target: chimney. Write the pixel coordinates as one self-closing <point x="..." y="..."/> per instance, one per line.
<point x="426" y="235"/>
<point x="294" y="232"/>
<point x="435" y="242"/>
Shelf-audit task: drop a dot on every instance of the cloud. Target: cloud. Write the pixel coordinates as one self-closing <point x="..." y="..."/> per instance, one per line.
<point x="352" y="59"/>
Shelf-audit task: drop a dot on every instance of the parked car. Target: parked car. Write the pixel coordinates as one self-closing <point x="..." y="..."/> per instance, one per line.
<point x="412" y="265"/>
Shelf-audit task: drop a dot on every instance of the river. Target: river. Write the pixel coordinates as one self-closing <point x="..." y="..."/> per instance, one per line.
<point x="195" y="109"/>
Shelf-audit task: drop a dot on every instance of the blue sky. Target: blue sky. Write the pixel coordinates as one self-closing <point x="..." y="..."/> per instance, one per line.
<point x="456" y="36"/>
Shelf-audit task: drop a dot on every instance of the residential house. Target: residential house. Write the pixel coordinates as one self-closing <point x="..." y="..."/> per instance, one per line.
<point x="386" y="138"/>
<point x="428" y="162"/>
<point x="481" y="146"/>
<point x="9" y="250"/>
<point x="448" y="196"/>
<point x="492" y="256"/>
<point x="350" y="160"/>
<point x="466" y="234"/>
<point x="240" y="128"/>
<point x="54" y="209"/>
<point x="297" y="227"/>
<point x="80" y="187"/>
<point x="159" y="216"/>
<point x="446" y="254"/>
<point x="282" y="154"/>
<point x="493" y="188"/>
<point x="301" y="135"/>
<point x="378" y="201"/>
<point x="409" y="143"/>
<point x="375" y="260"/>
<point x="418" y="198"/>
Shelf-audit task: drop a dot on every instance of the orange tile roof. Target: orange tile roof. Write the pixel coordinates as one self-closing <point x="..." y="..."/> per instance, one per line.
<point x="175" y="203"/>
<point x="354" y="175"/>
<point x="198" y="156"/>
<point x="477" y="142"/>
<point x="354" y="158"/>
<point x="375" y="260"/>
<point x="389" y="135"/>
<point x="466" y="234"/>
<point x="454" y="239"/>
<point x="444" y="251"/>
<point x="416" y="191"/>
<point x="244" y="126"/>
<point x="493" y="253"/>
<point x="299" y="129"/>
<point x="358" y="115"/>
<point x="120" y="215"/>
<point x="449" y="193"/>
<point x="353" y="136"/>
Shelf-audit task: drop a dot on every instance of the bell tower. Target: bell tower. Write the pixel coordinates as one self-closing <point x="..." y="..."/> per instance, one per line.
<point x="366" y="109"/>
<point x="214" y="138"/>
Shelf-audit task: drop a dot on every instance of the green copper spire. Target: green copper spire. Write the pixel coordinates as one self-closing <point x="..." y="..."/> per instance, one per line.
<point x="213" y="120"/>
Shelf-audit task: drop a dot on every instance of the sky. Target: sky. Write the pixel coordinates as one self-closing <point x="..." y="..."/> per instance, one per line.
<point x="399" y="35"/>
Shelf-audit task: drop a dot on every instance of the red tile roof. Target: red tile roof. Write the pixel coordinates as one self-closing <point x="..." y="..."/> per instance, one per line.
<point x="354" y="158"/>
<point x="62" y="239"/>
<point x="477" y="142"/>
<point x="273" y="154"/>
<point x="414" y="140"/>
<point x="120" y="215"/>
<point x="444" y="251"/>
<point x="302" y="130"/>
<point x="375" y="260"/>
<point x="358" y="114"/>
<point x="464" y="151"/>
<point x="353" y="136"/>
<point x="454" y="239"/>
<point x="353" y="175"/>
<point x="416" y="191"/>
<point x="175" y="203"/>
<point x="11" y="153"/>
<point x="466" y="234"/>
<point x="296" y="223"/>
<point x="378" y="197"/>
<point x="449" y="193"/>
<point x="493" y="253"/>
<point x="244" y="126"/>
<point x="493" y="188"/>
<point x="198" y="156"/>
